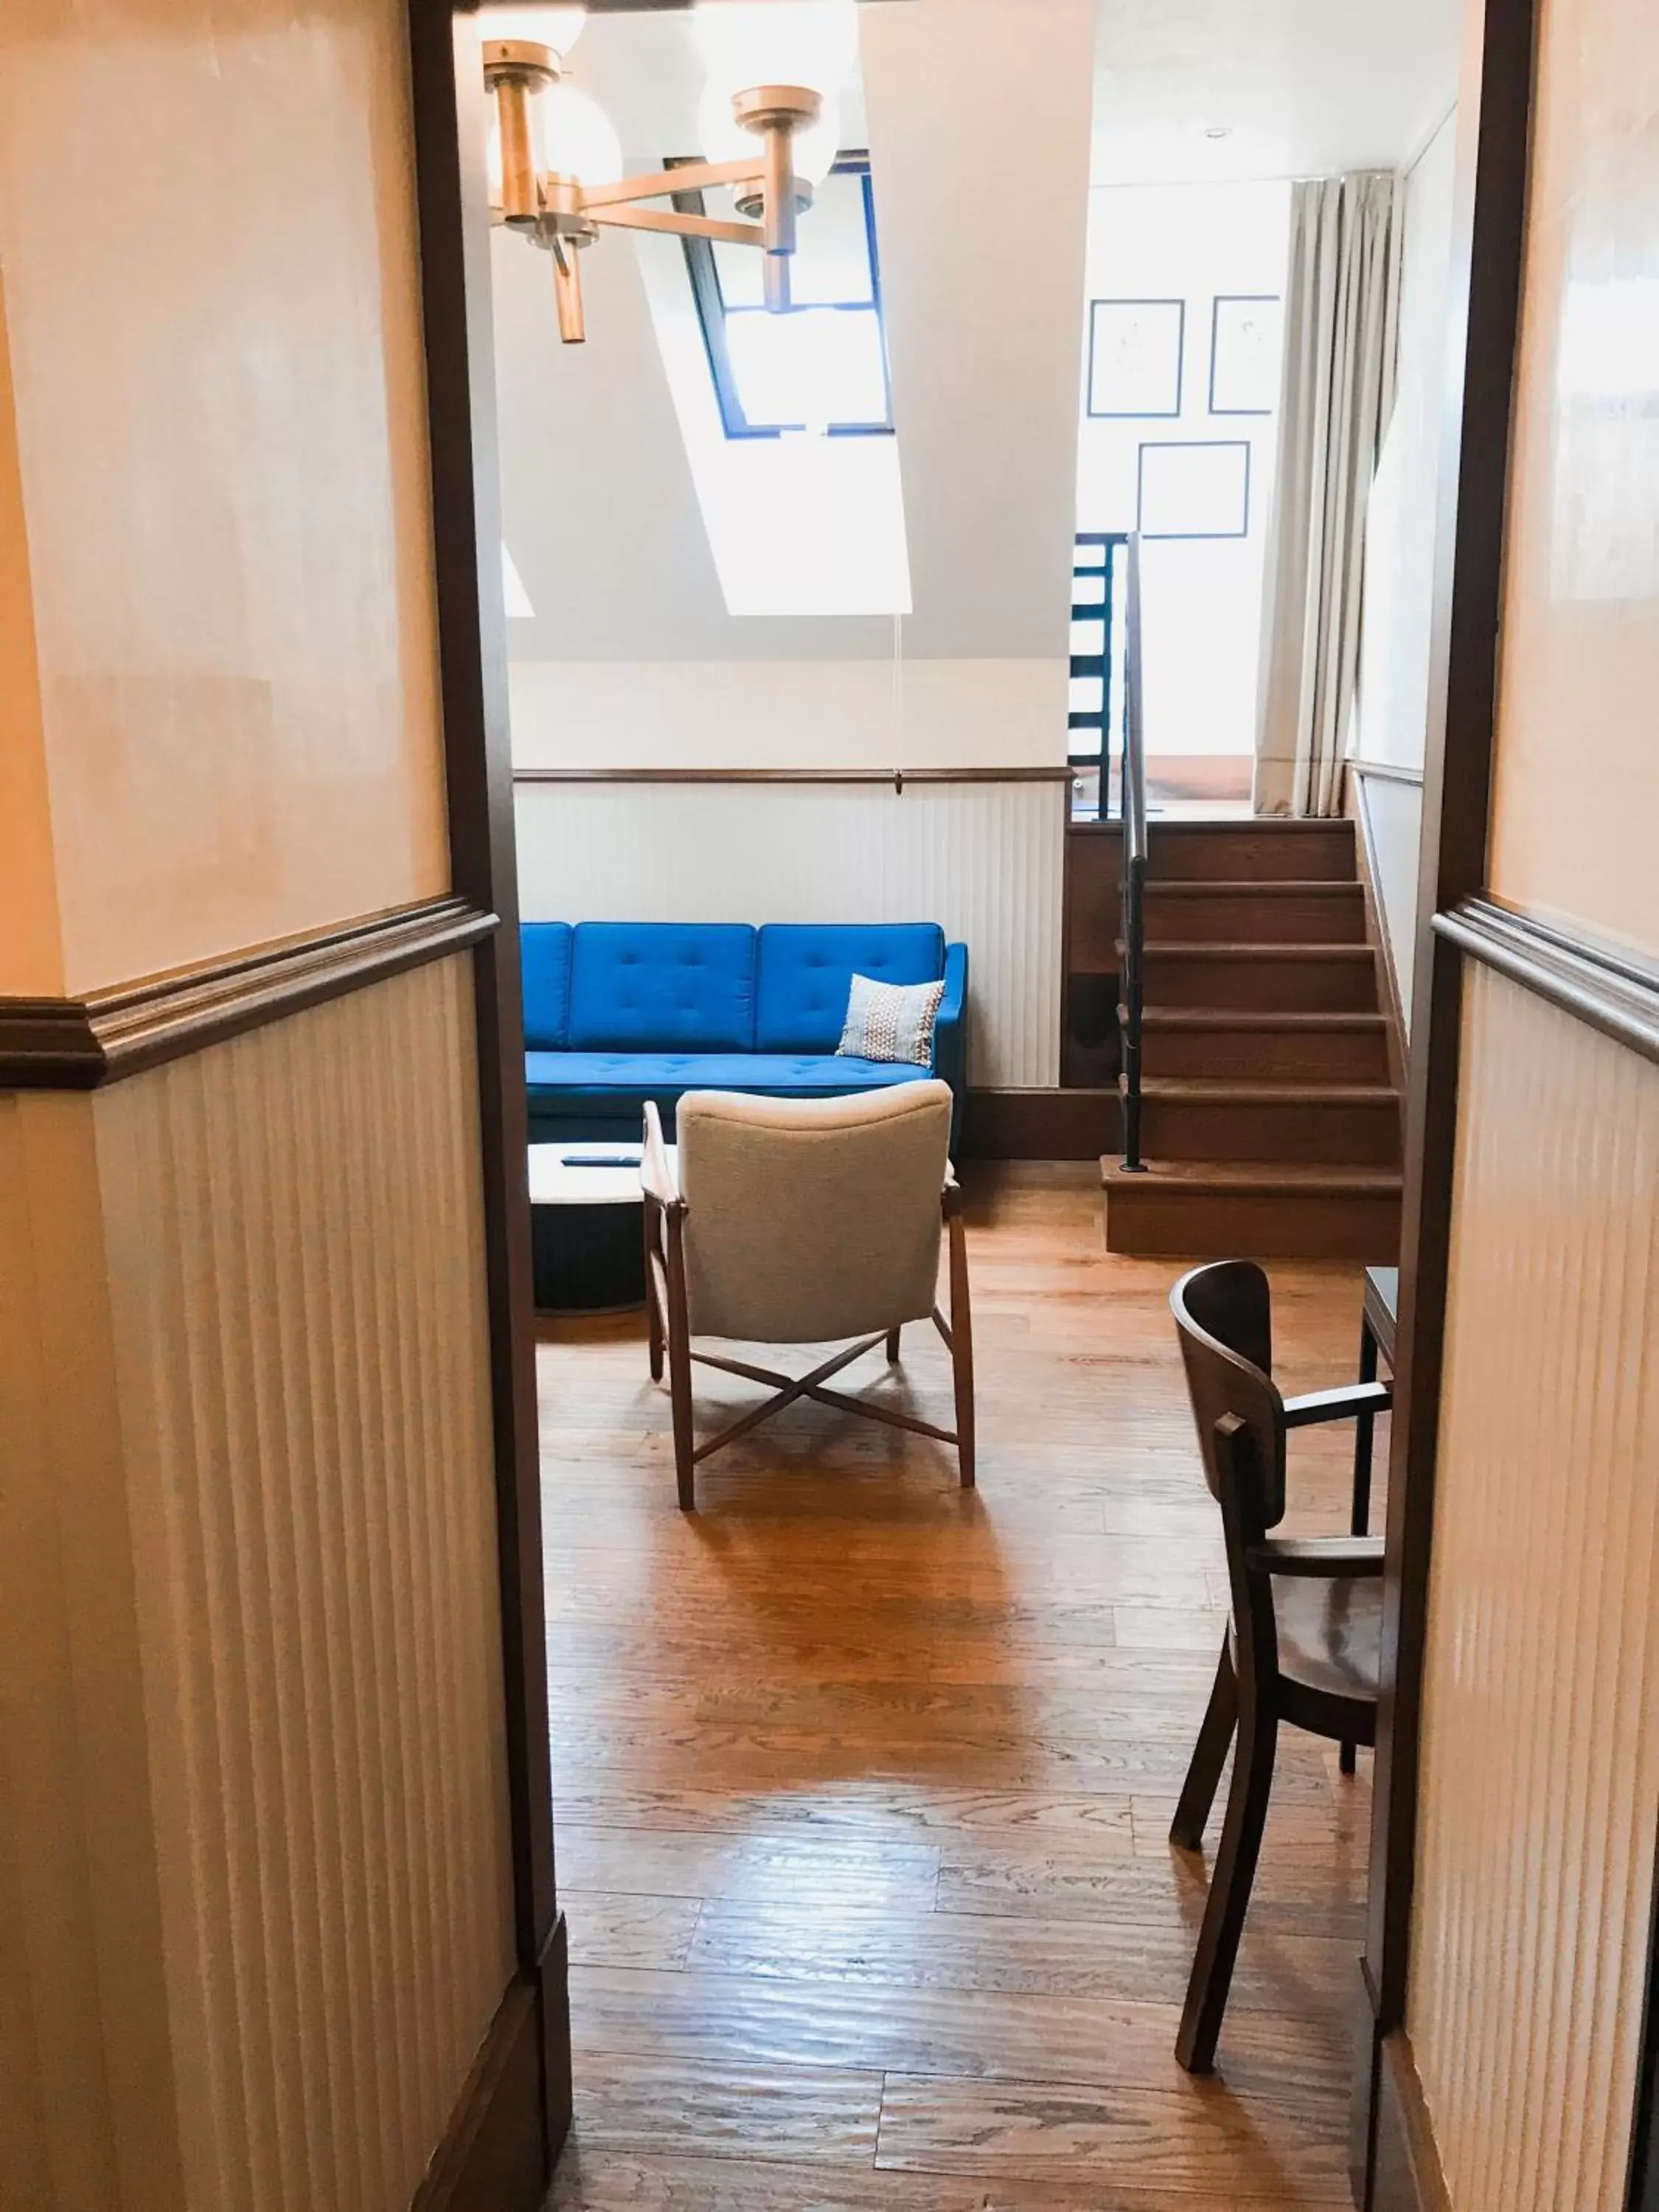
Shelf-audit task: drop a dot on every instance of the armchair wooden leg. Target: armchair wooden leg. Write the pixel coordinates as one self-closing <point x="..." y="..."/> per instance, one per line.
<point x="962" y="1347"/>
<point x="1230" y="1892"/>
<point x="1209" y="1757"/>
<point x="652" y="1311"/>
<point x="892" y="1344"/>
<point x="676" y="1327"/>
<point x="679" y="1390"/>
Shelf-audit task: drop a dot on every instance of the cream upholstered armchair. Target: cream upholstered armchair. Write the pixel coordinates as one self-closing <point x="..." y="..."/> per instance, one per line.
<point x="802" y="1221"/>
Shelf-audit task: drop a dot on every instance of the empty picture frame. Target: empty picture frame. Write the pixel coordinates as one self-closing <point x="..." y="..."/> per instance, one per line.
<point x="1244" y="353"/>
<point x="1135" y="347"/>
<point x="1199" y="489"/>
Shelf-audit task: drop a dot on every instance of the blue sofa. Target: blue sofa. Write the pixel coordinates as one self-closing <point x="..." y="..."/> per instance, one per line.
<point x="616" y="1012"/>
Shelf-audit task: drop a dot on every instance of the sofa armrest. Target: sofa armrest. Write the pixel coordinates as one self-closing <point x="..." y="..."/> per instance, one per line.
<point x="951" y="1024"/>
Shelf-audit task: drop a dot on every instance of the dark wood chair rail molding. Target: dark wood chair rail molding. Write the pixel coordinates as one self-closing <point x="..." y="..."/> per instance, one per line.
<point x="1612" y="990"/>
<point x="898" y="778"/>
<point x="1386" y="771"/>
<point x="78" y="1044"/>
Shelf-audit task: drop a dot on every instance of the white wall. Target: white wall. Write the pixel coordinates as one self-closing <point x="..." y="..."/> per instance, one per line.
<point x="1401" y="517"/>
<point x="801" y="714"/>
<point x="1394" y="667"/>
<point x="1200" y="600"/>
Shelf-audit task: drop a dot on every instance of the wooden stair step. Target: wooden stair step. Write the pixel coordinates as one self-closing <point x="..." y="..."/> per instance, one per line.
<point x="1325" y="1124"/>
<point x="1263" y="978"/>
<point x="1263" y="1047"/>
<point x="1248" y="1209"/>
<point x="1256" y="851"/>
<point x="1291" y="912"/>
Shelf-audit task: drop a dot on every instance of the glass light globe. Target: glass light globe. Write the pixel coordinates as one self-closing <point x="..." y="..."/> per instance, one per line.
<point x="744" y="43"/>
<point x="558" y="26"/>
<point x="723" y="138"/>
<point x="578" y="138"/>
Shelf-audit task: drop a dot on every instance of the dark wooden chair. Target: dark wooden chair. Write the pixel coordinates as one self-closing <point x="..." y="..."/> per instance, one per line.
<point x="1301" y="1643"/>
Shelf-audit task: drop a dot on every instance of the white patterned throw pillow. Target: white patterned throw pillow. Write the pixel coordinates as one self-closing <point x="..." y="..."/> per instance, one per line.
<point x="890" y="1021"/>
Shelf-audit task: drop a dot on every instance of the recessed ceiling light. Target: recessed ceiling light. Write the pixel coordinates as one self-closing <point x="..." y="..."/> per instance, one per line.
<point x="1219" y="131"/>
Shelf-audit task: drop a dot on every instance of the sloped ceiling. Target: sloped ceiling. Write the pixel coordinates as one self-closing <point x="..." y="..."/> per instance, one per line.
<point x="984" y="321"/>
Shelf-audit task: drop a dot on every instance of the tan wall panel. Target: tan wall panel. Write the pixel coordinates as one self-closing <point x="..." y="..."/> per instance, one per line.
<point x="31" y="949"/>
<point x="1540" y="1737"/>
<point x="260" y="1749"/>
<point x="1577" y="773"/>
<point x="207" y="223"/>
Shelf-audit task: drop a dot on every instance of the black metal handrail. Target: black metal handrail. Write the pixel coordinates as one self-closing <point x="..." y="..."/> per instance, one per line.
<point x="1134" y="865"/>
<point x="1095" y="554"/>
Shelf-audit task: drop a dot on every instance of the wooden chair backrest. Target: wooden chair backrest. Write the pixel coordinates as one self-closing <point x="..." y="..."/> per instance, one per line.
<point x="808" y="1220"/>
<point x="1223" y="1316"/>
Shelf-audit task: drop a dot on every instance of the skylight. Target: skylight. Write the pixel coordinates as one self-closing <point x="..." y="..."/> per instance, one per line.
<point x="823" y="366"/>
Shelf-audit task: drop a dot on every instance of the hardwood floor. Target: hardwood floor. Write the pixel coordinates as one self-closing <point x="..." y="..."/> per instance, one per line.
<point x="863" y="1783"/>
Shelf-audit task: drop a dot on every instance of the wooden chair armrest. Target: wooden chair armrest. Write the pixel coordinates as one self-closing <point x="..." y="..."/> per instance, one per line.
<point x="1322" y="1557"/>
<point x="1344" y="1404"/>
<point x="657" y="1177"/>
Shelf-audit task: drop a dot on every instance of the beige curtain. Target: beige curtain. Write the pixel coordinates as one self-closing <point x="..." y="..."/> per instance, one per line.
<point x="1342" y="315"/>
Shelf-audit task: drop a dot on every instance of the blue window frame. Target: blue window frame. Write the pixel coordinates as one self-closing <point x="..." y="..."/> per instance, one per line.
<point x="821" y="366"/>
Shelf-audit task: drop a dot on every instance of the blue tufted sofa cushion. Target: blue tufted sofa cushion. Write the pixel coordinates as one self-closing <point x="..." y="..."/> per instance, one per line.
<point x="662" y="986"/>
<point x="807" y="971"/>
<point x="554" y="1077"/>
<point x="544" y="949"/>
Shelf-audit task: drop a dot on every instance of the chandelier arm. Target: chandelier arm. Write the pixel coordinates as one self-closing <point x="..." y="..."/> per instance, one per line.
<point x="677" y="224"/>
<point x="692" y="177"/>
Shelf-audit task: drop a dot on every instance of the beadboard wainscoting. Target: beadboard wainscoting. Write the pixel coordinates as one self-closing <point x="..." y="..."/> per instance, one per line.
<point x="1540" y="1775"/>
<point x="266" y="1665"/>
<point x="985" y="859"/>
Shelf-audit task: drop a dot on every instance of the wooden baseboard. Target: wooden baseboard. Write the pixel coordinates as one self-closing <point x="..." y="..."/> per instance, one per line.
<point x="1405" y="2171"/>
<point x="514" y="2112"/>
<point x="1362" y="2102"/>
<point x="556" y="2041"/>
<point x="1039" y="1125"/>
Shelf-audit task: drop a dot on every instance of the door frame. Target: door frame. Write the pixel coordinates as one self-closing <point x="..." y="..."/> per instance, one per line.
<point x="1391" y="2146"/>
<point x="515" y="2113"/>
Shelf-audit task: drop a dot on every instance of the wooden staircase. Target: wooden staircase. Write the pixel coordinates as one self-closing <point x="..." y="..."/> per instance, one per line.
<point x="1270" y="1120"/>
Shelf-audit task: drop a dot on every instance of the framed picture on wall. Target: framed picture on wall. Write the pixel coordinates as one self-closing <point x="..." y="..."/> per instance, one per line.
<point x="1244" y="353"/>
<point x="1197" y="490"/>
<point x="1135" y="347"/>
